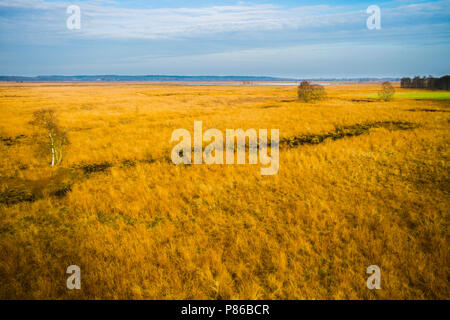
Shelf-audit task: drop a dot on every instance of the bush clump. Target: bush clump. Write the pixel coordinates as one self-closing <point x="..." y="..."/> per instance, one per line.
<point x="387" y="91"/>
<point x="308" y="92"/>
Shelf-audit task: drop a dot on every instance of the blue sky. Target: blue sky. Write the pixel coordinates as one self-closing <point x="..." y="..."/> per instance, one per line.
<point x="310" y="39"/>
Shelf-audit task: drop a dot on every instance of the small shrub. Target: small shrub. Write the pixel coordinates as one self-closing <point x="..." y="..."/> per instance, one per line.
<point x="310" y="93"/>
<point x="387" y="91"/>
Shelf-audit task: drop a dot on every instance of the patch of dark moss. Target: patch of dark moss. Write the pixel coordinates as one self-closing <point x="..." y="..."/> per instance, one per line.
<point x="7" y="229"/>
<point x="344" y="131"/>
<point x="22" y="166"/>
<point x="127" y="163"/>
<point x="95" y="167"/>
<point x="16" y="190"/>
<point x="10" y="141"/>
<point x="44" y="219"/>
<point x="288" y="100"/>
<point x="114" y="219"/>
<point x="270" y="106"/>
<point x="427" y="110"/>
<point x="363" y="100"/>
<point x="148" y="161"/>
<point x="17" y="194"/>
<point x="154" y="223"/>
<point x="62" y="191"/>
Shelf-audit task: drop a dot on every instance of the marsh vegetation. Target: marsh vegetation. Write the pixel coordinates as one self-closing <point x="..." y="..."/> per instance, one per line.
<point x="361" y="182"/>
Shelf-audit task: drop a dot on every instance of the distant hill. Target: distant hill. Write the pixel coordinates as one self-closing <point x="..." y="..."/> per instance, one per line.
<point x="113" y="78"/>
<point x="163" y="78"/>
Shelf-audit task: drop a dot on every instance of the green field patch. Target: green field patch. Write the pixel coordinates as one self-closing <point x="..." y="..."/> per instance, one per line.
<point x="418" y="95"/>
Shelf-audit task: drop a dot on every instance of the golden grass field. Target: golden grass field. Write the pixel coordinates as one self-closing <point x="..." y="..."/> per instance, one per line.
<point x="141" y="227"/>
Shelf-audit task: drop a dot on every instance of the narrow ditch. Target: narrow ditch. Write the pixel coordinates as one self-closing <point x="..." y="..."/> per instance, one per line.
<point x="61" y="184"/>
<point x="344" y="131"/>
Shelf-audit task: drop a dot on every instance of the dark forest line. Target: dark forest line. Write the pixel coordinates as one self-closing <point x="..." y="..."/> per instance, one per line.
<point x="442" y="83"/>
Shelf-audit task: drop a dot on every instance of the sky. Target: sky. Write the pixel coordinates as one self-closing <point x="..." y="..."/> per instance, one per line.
<point x="283" y="38"/>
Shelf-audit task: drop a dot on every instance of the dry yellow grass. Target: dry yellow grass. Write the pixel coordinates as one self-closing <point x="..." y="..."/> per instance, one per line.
<point x="147" y="229"/>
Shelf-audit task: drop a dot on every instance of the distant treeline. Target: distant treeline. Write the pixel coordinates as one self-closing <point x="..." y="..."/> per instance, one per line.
<point x="427" y="83"/>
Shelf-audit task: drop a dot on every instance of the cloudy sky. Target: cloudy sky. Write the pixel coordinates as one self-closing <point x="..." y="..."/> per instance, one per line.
<point x="276" y="38"/>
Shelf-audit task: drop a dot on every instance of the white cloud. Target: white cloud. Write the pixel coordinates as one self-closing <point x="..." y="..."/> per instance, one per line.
<point x="105" y="19"/>
<point x="100" y="20"/>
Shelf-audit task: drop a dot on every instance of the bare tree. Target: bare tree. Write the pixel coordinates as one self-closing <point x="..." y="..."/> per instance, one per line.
<point x="310" y="93"/>
<point x="49" y="135"/>
<point x="387" y="91"/>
